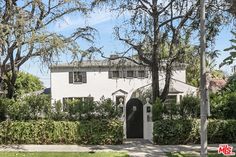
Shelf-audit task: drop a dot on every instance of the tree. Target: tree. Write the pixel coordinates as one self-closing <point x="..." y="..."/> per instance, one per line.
<point x="232" y="6"/>
<point x="229" y="60"/>
<point x="157" y="31"/>
<point x="24" y="34"/>
<point x="27" y="83"/>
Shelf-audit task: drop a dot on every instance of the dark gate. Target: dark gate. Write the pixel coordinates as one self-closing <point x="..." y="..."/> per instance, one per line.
<point x="134" y="118"/>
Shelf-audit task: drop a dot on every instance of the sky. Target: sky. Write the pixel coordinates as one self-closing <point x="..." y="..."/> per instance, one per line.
<point x="104" y="21"/>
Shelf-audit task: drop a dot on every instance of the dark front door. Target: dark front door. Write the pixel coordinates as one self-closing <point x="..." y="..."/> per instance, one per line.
<point x="134" y="118"/>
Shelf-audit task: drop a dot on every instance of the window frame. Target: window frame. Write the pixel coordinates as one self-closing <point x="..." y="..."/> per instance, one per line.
<point x="79" y="75"/>
<point x="140" y="76"/>
<point x="117" y="72"/>
<point x="128" y="71"/>
<point x="82" y="75"/>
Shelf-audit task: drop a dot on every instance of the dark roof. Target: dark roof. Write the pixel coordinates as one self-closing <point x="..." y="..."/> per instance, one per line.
<point x="47" y="91"/>
<point x="107" y="63"/>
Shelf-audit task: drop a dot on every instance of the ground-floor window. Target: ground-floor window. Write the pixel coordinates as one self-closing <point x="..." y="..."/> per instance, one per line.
<point x="68" y="100"/>
<point x="171" y="99"/>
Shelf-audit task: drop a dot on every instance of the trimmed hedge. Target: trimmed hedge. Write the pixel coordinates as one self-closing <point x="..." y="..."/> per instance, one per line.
<point x="188" y="131"/>
<point x="61" y="132"/>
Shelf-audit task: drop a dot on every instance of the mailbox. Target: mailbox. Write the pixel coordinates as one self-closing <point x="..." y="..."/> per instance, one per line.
<point x="148" y="109"/>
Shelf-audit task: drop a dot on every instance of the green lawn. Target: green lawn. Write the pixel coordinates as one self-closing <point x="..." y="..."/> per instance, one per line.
<point x="45" y="154"/>
<point x="184" y="154"/>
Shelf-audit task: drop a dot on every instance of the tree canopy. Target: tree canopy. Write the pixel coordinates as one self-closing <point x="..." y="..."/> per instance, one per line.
<point x="158" y="32"/>
<point x="25" y="33"/>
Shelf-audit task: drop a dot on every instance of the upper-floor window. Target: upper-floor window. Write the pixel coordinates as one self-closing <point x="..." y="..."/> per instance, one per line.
<point x="130" y="73"/>
<point x="77" y="77"/>
<point x="141" y="73"/>
<point x="115" y="74"/>
<point x="127" y="74"/>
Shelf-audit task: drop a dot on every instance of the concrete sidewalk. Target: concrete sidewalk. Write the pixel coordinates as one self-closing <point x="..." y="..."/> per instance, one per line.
<point x="133" y="148"/>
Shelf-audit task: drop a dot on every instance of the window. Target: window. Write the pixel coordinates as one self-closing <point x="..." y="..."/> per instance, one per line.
<point x="130" y="73"/>
<point x="115" y="74"/>
<point x="88" y="99"/>
<point x="118" y="99"/>
<point x="171" y="99"/>
<point x="77" y="77"/>
<point x="66" y="103"/>
<point x="141" y="73"/>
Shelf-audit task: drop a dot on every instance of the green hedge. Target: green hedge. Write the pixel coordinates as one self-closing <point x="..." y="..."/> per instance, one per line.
<point x="187" y="131"/>
<point x="61" y="132"/>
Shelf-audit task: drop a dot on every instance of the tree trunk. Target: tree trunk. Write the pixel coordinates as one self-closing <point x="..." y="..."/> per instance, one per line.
<point x="165" y="91"/>
<point x="155" y="83"/>
<point x="10" y="90"/>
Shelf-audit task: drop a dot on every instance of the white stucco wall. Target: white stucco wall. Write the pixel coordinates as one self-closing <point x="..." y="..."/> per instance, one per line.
<point x="98" y="84"/>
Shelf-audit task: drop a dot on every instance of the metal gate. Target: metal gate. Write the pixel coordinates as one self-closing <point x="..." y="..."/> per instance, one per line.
<point x="134" y="118"/>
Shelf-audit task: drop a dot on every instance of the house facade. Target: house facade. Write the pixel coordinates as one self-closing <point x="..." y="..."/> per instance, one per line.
<point x="120" y="80"/>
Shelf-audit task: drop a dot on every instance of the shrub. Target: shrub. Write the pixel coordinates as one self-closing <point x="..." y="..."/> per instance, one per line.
<point x="157" y="110"/>
<point x="61" y="132"/>
<point x="101" y="132"/>
<point x="187" y="131"/>
<point x="223" y="106"/>
<point x="80" y="110"/>
<point x="189" y="107"/>
<point x="4" y="103"/>
<point x="105" y="109"/>
<point x="29" y="108"/>
<point x="57" y="113"/>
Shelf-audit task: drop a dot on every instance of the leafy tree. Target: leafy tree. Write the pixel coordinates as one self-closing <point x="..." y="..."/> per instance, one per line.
<point x="232" y="6"/>
<point x="157" y="30"/>
<point x="229" y="60"/>
<point x="27" y="83"/>
<point x="24" y="34"/>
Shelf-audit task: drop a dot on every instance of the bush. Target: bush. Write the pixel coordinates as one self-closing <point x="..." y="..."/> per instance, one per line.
<point x="101" y="132"/>
<point x="223" y="106"/>
<point x="157" y="110"/>
<point x="189" y="107"/>
<point x="4" y="103"/>
<point x="187" y="131"/>
<point x="80" y="110"/>
<point x="61" y="132"/>
<point x="29" y="108"/>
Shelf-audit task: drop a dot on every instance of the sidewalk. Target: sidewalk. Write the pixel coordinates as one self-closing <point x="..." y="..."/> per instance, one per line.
<point x="133" y="148"/>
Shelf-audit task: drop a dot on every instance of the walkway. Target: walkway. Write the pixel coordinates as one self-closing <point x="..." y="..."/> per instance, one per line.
<point x="135" y="148"/>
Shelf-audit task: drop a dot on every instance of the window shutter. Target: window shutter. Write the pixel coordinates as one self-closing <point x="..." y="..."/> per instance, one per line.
<point x="120" y="73"/>
<point x="124" y="73"/>
<point x="135" y="73"/>
<point x="146" y="73"/>
<point x="70" y="77"/>
<point x="109" y="74"/>
<point x="84" y="77"/>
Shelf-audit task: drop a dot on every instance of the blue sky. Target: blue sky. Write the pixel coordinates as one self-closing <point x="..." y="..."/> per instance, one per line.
<point x="104" y="21"/>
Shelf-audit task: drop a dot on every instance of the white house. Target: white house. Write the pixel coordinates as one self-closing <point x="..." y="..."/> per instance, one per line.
<point x="115" y="79"/>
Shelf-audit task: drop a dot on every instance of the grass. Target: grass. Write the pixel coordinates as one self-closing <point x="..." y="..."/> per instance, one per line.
<point x="46" y="154"/>
<point x="185" y="154"/>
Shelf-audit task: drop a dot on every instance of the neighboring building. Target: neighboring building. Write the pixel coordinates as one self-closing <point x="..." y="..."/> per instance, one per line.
<point x="114" y="79"/>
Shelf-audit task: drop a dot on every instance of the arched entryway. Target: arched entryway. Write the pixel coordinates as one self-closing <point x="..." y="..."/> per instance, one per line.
<point x="134" y="118"/>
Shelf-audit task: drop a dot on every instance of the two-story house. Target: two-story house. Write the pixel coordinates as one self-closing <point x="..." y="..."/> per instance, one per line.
<point x="115" y="79"/>
<point x="111" y="79"/>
